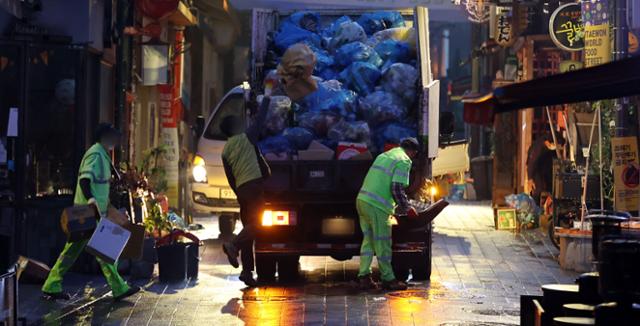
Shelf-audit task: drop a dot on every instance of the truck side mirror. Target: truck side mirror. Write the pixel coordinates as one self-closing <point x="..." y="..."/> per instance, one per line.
<point x="199" y="127"/>
<point x="447" y="126"/>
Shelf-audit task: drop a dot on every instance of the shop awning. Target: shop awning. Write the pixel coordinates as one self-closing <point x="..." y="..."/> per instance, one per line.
<point x="612" y="80"/>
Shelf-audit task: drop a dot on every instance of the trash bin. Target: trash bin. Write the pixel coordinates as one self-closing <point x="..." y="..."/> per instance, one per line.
<point x="482" y="174"/>
<point x="9" y="297"/>
<point x="172" y="262"/>
<point x="193" y="260"/>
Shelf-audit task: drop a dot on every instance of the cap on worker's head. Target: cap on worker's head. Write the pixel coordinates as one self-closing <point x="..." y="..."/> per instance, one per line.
<point x="104" y="130"/>
<point x="410" y="143"/>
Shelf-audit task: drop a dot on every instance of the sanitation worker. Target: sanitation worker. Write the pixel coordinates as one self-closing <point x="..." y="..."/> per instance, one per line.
<point x="246" y="169"/>
<point x="382" y="193"/>
<point x="92" y="188"/>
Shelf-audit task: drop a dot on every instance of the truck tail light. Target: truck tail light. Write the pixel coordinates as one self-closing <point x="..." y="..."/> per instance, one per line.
<point x="271" y="217"/>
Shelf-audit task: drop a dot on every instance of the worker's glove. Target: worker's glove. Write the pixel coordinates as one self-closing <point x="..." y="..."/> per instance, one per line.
<point x="92" y="201"/>
<point x="411" y="212"/>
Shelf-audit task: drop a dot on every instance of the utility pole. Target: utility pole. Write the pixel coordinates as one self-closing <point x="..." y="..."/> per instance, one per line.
<point x="620" y="51"/>
<point x="124" y="17"/>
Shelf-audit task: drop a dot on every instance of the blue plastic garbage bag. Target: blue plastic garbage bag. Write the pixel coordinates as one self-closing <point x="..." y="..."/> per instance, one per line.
<point x="373" y="22"/>
<point x="331" y="96"/>
<point x="298" y="137"/>
<point x="275" y="144"/>
<point x="360" y="77"/>
<point x="357" y="51"/>
<point x="290" y="34"/>
<point x="392" y="51"/>
<point x="330" y="31"/>
<point x="347" y="32"/>
<point x="318" y="121"/>
<point x="400" y="79"/>
<point x="276" y="119"/>
<point x="307" y="20"/>
<point x="380" y="107"/>
<point x="526" y="208"/>
<point x="324" y="61"/>
<point x="356" y="131"/>
<point x="391" y="133"/>
<point x="333" y="144"/>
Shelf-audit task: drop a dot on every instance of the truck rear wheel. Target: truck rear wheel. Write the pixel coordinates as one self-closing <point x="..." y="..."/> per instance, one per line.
<point x="227" y="224"/>
<point x="265" y="268"/>
<point x="288" y="268"/>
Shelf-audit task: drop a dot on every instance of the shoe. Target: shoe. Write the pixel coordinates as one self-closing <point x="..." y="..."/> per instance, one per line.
<point x="232" y="254"/>
<point x="248" y="279"/>
<point x="56" y="296"/>
<point x="132" y="290"/>
<point x="394" y="285"/>
<point x="366" y="283"/>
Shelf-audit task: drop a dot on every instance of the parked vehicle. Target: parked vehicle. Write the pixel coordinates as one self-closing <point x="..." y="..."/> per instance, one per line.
<point x="311" y="204"/>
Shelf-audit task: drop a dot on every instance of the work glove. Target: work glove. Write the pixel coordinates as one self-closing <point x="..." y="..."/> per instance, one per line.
<point x="411" y="212"/>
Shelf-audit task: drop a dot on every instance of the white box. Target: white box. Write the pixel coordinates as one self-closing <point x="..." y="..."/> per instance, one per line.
<point x="108" y="241"/>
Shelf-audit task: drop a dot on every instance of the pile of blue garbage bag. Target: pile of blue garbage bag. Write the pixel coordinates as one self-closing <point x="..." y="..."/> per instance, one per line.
<point x="367" y="83"/>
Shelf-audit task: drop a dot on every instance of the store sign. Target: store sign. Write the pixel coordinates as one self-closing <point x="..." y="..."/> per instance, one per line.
<point x="503" y="26"/>
<point x="566" y="27"/>
<point x="626" y="173"/>
<point x="597" y="39"/>
<point x="169" y="113"/>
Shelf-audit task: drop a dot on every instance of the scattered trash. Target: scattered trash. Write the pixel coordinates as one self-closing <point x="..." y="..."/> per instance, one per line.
<point x="526" y="208"/>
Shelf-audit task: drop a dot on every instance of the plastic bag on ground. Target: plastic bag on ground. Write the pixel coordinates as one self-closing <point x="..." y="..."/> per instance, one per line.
<point x="391" y="133"/>
<point x="357" y="51"/>
<point x="347" y="32"/>
<point x="373" y="22"/>
<point x="290" y="34"/>
<point x="526" y="208"/>
<point x="400" y="79"/>
<point x="307" y="20"/>
<point x="356" y="131"/>
<point x="298" y="137"/>
<point x="332" y="97"/>
<point x="318" y="122"/>
<point x="275" y="144"/>
<point x="361" y="77"/>
<point x="380" y="107"/>
<point x="276" y="119"/>
<point x="391" y="51"/>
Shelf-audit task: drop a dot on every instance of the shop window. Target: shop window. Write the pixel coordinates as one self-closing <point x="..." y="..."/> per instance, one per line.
<point x="232" y="105"/>
<point x="51" y="120"/>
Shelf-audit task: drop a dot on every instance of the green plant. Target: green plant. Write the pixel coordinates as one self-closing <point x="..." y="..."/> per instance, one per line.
<point x="155" y="172"/>
<point x="156" y="221"/>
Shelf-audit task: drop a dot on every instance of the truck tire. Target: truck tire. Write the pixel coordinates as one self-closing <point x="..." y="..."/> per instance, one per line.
<point x="265" y="268"/>
<point x="288" y="268"/>
<point x="227" y="224"/>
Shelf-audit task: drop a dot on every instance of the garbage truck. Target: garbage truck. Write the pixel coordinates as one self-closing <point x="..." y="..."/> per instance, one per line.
<point x="310" y="202"/>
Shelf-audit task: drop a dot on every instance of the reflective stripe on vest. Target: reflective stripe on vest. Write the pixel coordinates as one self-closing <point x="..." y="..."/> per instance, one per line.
<point x="376" y="189"/>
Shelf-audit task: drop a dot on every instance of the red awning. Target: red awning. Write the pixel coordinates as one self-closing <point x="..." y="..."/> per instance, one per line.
<point x="612" y="80"/>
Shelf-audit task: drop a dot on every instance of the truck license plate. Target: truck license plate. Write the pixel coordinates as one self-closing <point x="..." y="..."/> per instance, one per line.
<point x="316" y="174"/>
<point x="227" y="194"/>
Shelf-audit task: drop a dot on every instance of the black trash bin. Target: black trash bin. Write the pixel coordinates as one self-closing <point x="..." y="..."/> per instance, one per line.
<point x="172" y="262"/>
<point x="193" y="260"/>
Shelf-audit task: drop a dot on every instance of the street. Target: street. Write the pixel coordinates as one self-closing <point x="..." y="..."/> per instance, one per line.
<point x="478" y="275"/>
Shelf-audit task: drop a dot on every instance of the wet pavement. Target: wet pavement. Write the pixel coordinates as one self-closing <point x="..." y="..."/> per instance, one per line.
<point x="478" y="275"/>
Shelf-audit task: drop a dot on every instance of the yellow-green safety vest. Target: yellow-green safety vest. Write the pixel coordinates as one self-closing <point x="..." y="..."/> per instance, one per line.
<point x="241" y="155"/>
<point x="95" y="166"/>
<point x="391" y="166"/>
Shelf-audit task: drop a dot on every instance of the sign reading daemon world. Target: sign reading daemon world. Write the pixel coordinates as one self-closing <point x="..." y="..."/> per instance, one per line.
<point x="597" y="39"/>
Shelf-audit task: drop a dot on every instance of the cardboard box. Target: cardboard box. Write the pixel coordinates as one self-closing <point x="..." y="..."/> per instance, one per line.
<point x="134" y="248"/>
<point x="79" y="222"/>
<point x="108" y="241"/>
<point x="316" y="152"/>
<point x="118" y="216"/>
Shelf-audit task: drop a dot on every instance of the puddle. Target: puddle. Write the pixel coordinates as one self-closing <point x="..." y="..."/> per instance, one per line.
<point x="475" y="323"/>
<point x="268" y="298"/>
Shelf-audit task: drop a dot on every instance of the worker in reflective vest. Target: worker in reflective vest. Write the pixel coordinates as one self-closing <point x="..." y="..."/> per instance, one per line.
<point x="382" y="194"/>
<point x="246" y="169"/>
<point x="93" y="186"/>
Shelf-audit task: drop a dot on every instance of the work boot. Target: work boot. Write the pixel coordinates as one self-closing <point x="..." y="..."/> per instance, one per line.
<point x="247" y="278"/>
<point x="394" y="285"/>
<point x="132" y="290"/>
<point x="366" y="283"/>
<point x="51" y="296"/>
<point x="232" y="254"/>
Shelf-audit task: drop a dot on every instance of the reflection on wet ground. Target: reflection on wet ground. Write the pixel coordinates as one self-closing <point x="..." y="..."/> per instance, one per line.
<point x="478" y="276"/>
